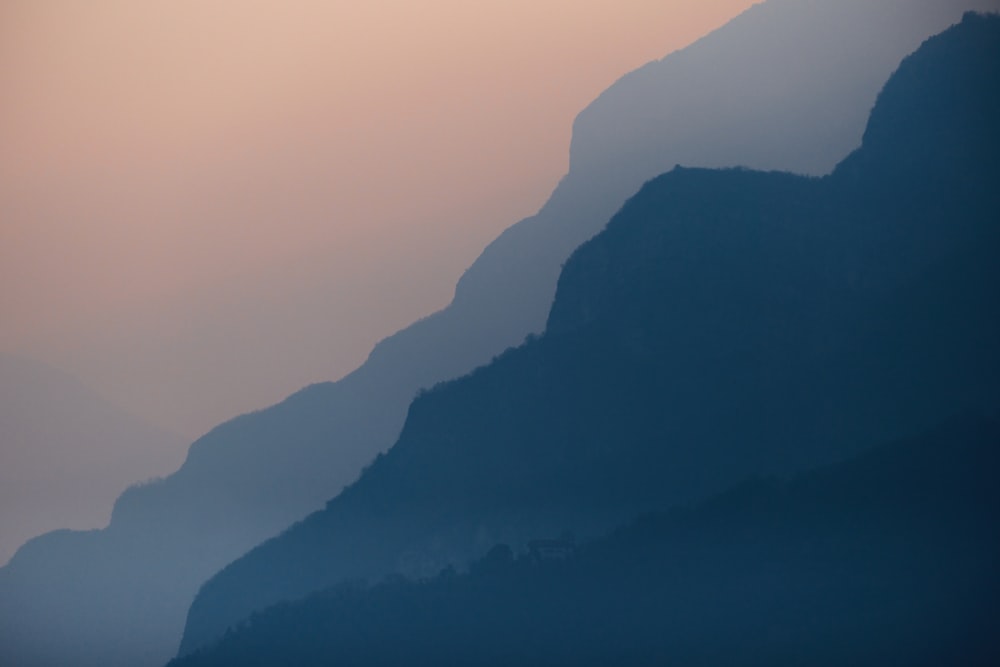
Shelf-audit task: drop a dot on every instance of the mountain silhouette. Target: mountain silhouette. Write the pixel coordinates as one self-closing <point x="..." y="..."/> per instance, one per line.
<point x="726" y="323"/>
<point x="66" y="453"/>
<point x="122" y="594"/>
<point x="888" y="558"/>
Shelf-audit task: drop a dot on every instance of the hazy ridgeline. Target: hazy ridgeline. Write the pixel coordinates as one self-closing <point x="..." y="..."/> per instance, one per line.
<point x="725" y="324"/>
<point x="786" y="85"/>
<point x="54" y="470"/>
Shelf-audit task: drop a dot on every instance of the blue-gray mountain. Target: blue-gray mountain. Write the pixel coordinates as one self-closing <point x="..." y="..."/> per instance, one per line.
<point x="57" y="437"/>
<point x="889" y="558"/>
<point x="785" y="85"/>
<point x="725" y="324"/>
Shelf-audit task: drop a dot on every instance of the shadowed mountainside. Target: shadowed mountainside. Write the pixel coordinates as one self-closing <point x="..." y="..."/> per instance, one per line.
<point x="66" y="453"/>
<point x="122" y="593"/>
<point x="886" y="559"/>
<point x="724" y="324"/>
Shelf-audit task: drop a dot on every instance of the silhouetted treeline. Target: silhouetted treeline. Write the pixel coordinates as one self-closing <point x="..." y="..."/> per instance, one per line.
<point x="887" y="559"/>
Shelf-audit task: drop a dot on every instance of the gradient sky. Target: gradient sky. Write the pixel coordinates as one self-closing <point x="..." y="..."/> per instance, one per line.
<point x="207" y="204"/>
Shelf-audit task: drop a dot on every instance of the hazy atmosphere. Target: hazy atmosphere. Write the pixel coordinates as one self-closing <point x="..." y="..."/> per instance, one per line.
<point x="207" y="205"/>
<point x="473" y="333"/>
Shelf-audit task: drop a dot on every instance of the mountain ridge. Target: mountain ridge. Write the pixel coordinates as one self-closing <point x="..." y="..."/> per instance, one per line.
<point x="58" y="436"/>
<point x="251" y="477"/>
<point x="874" y="547"/>
<point x="725" y="323"/>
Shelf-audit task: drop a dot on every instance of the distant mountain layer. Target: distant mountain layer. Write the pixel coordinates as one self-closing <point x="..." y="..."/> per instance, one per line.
<point x="725" y="324"/>
<point x="66" y="453"/>
<point x="887" y="559"/>
<point x="786" y="85"/>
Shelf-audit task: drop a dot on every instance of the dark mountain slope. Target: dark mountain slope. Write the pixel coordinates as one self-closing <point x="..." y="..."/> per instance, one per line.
<point x="119" y="596"/>
<point x="726" y="323"/>
<point x="886" y="559"/>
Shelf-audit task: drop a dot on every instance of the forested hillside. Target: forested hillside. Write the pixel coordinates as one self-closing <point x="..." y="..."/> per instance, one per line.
<point x="725" y="324"/>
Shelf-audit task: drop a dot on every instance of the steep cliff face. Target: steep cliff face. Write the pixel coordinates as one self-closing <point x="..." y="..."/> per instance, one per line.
<point x="724" y="324"/>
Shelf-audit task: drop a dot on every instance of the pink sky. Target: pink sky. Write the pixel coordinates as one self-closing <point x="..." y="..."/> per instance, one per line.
<point x="206" y="204"/>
